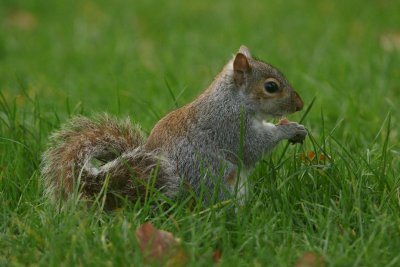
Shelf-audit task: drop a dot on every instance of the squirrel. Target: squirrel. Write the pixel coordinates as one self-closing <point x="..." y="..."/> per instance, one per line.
<point x="202" y="144"/>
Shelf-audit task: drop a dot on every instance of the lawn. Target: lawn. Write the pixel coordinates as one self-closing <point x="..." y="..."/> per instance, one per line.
<point x="336" y="196"/>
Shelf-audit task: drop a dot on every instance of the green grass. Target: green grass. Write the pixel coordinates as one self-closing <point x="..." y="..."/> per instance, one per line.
<point x="127" y="57"/>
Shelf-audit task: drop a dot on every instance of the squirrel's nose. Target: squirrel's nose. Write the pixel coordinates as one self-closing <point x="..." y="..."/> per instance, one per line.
<point x="298" y="102"/>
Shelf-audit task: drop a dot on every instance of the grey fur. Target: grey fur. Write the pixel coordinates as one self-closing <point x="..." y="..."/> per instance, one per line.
<point x="211" y="140"/>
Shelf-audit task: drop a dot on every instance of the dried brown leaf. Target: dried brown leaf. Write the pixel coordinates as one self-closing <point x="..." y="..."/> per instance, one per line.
<point x="217" y="256"/>
<point x="390" y="41"/>
<point x="158" y="246"/>
<point x="310" y="259"/>
<point x="311" y="155"/>
<point x="21" y="19"/>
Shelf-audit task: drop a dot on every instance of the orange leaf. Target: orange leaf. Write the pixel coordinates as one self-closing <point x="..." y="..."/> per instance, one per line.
<point x="311" y="155"/>
<point x="217" y="256"/>
<point x="158" y="246"/>
<point x="310" y="259"/>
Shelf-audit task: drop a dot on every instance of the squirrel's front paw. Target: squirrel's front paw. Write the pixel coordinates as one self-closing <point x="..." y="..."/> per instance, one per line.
<point x="294" y="132"/>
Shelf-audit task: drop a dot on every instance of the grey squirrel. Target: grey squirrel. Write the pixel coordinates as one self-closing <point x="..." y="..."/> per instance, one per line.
<point x="200" y="144"/>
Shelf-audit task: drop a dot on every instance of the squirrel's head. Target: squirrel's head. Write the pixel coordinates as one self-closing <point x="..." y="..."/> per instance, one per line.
<point x="266" y="87"/>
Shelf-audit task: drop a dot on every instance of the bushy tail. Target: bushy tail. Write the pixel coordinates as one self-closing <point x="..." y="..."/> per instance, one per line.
<point x="84" y="152"/>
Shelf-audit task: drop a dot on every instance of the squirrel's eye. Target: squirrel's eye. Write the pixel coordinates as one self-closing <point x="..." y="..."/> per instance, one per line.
<point x="271" y="87"/>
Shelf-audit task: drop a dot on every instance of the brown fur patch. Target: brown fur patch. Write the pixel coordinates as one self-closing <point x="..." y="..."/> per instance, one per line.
<point x="258" y="92"/>
<point x="172" y="126"/>
<point x="231" y="178"/>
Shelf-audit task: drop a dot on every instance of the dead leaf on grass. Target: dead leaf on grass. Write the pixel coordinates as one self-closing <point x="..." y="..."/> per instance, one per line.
<point x="21" y="19"/>
<point x="310" y="259"/>
<point x="311" y="156"/>
<point x="390" y="41"/>
<point x="158" y="246"/>
<point x="217" y="256"/>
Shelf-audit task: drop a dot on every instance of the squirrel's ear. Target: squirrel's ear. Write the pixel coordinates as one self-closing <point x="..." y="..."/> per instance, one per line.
<point x="240" y="68"/>
<point x="245" y="51"/>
